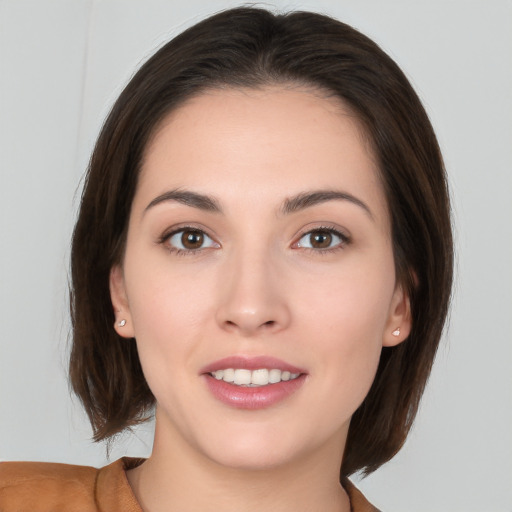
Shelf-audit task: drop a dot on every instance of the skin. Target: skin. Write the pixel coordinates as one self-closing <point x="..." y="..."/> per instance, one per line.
<point x="258" y="286"/>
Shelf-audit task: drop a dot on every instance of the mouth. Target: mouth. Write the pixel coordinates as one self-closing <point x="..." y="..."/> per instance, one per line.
<point x="252" y="382"/>
<point x="254" y="378"/>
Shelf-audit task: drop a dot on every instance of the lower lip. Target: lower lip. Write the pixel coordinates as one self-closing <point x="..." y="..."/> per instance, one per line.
<point x="259" y="397"/>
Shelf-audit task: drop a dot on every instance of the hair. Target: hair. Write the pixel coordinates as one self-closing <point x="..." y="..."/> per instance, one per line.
<point x="253" y="48"/>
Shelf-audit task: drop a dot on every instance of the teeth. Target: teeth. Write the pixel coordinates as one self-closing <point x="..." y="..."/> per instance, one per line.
<point x="254" y="378"/>
<point x="274" y="376"/>
<point x="229" y="375"/>
<point x="242" y="377"/>
<point x="259" y="377"/>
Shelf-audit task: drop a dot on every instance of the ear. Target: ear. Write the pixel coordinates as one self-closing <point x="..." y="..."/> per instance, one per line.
<point x="123" y="323"/>
<point x="399" y="323"/>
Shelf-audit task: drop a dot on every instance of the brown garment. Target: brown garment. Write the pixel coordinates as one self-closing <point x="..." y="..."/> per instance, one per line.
<point x="51" y="487"/>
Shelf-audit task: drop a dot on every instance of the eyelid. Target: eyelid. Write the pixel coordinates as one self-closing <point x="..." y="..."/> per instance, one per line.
<point x="183" y="226"/>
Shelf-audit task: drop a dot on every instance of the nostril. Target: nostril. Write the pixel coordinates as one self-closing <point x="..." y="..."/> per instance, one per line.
<point x="230" y="324"/>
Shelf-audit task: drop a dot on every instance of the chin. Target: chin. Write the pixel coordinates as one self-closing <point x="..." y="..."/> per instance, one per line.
<point x="260" y="449"/>
<point x="251" y="459"/>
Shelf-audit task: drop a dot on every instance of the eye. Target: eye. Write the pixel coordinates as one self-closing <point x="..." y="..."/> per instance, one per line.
<point x="322" y="238"/>
<point x="190" y="240"/>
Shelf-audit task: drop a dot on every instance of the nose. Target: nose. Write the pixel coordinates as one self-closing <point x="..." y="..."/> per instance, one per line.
<point x="252" y="296"/>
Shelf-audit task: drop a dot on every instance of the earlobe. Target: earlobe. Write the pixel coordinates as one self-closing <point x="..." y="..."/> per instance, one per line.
<point x="398" y="326"/>
<point x="123" y="324"/>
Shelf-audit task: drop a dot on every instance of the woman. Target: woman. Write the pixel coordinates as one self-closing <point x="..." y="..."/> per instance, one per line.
<point x="263" y="256"/>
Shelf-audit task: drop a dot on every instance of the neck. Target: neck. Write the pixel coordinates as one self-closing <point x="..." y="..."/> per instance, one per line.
<point x="177" y="477"/>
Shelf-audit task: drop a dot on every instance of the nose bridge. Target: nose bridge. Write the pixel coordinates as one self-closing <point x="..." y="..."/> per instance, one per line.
<point x="252" y="298"/>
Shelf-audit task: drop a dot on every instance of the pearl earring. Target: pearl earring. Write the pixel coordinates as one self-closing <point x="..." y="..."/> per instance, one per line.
<point x="396" y="332"/>
<point x="122" y="323"/>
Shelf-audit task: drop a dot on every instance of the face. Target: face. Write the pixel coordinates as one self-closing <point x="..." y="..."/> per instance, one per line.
<point x="258" y="277"/>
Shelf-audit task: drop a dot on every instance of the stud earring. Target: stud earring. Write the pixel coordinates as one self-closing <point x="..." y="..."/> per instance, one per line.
<point x="122" y="323"/>
<point x="396" y="332"/>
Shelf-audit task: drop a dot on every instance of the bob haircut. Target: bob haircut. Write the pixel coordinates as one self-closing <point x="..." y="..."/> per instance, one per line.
<point x="253" y="48"/>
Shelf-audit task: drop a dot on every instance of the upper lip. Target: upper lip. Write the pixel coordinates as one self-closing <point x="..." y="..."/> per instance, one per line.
<point x="250" y="363"/>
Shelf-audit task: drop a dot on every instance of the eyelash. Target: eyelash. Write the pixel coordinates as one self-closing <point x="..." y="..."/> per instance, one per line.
<point x="344" y="240"/>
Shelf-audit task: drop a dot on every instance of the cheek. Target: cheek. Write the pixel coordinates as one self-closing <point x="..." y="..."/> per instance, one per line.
<point x="164" y="299"/>
<point x="346" y="318"/>
<point x="169" y="312"/>
<point x="351" y="302"/>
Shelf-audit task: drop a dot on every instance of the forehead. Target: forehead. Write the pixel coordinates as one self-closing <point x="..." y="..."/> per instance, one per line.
<point x="275" y="141"/>
<point x="282" y="108"/>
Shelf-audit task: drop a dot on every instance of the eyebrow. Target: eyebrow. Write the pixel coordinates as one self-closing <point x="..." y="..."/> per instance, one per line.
<point x="187" y="198"/>
<point x="309" y="199"/>
<point x="290" y="205"/>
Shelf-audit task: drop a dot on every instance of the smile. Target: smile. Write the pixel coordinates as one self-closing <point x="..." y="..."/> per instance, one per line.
<point x="253" y="378"/>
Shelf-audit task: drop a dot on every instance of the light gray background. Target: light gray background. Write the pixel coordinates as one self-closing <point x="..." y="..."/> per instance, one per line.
<point x="63" y="62"/>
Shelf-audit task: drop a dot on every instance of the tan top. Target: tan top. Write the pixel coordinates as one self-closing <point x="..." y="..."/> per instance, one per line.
<point x="52" y="487"/>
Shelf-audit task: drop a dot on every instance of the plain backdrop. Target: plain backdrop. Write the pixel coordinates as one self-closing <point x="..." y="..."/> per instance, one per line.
<point x="62" y="64"/>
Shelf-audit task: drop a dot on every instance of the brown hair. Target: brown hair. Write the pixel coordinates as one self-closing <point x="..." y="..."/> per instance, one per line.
<point x="248" y="47"/>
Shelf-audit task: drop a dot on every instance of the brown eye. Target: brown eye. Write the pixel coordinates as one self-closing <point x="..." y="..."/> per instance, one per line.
<point x="189" y="240"/>
<point x="192" y="239"/>
<point x="320" y="239"/>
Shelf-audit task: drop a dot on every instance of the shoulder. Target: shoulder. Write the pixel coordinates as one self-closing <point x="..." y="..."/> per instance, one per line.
<point x="53" y="487"/>
<point x="43" y="486"/>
